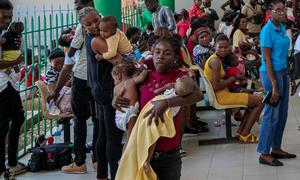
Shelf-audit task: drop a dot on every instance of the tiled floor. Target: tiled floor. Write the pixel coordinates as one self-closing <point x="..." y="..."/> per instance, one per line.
<point x="220" y="162"/>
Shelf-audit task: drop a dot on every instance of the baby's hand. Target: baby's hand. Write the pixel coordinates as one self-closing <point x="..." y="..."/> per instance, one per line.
<point x="99" y="57"/>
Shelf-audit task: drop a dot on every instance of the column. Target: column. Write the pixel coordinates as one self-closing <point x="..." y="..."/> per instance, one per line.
<point x="110" y="8"/>
<point x="169" y="3"/>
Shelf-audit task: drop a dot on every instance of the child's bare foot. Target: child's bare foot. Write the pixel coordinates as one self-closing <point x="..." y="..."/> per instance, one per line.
<point x="147" y="167"/>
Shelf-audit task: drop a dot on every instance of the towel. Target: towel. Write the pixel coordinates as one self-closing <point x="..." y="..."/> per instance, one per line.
<point x="141" y="138"/>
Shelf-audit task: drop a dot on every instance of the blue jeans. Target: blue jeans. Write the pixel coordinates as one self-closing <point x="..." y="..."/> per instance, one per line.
<point x="274" y="118"/>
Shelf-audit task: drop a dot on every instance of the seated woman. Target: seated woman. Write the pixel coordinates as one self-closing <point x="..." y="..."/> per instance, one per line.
<point x="240" y="32"/>
<point x="214" y="71"/>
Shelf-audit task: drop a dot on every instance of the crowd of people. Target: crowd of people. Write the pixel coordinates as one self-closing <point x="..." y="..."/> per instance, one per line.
<point x="152" y="75"/>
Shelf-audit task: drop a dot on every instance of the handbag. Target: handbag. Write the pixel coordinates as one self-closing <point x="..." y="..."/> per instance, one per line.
<point x="63" y="102"/>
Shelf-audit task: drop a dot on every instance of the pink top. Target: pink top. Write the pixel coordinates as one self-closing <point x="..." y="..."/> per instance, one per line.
<point x="154" y="81"/>
<point x="183" y="26"/>
<point x="195" y="11"/>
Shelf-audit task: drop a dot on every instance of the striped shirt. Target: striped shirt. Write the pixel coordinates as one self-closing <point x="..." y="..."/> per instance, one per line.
<point x="51" y="76"/>
<point x="163" y="17"/>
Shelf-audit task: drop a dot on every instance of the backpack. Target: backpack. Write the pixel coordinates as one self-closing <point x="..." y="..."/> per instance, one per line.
<point x="50" y="157"/>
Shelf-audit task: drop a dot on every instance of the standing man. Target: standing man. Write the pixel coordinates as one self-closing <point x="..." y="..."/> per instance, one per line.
<point x="211" y="15"/>
<point x="253" y="12"/>
<point x="162" y="16"/>
<point x="11" y="110"/>
<point x="81" y="101"/>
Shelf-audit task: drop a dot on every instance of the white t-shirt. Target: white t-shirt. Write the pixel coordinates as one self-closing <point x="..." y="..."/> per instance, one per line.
<point x="223" y="28"/>
<point x="80" y="69"/>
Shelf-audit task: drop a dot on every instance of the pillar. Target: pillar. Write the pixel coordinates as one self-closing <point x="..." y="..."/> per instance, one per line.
<point x="110" y="8"/>
<point x="169" y="3"/>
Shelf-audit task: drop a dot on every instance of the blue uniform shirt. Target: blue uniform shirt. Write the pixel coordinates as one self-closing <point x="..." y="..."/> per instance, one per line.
<point x="279" y="42"/>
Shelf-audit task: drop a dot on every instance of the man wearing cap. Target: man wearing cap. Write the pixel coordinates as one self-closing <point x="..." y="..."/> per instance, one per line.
<point x="11" y="110"/>
<point x="56" y="58"/>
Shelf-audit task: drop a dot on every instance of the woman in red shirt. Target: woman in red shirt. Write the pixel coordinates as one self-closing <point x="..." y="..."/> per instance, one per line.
<point x="166" y="161"/>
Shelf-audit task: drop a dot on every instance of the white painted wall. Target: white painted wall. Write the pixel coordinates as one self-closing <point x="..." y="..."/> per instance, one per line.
<point x="24" y="7"/>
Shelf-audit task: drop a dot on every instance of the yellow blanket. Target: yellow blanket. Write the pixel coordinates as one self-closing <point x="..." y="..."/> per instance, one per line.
<point x="141" y="138"/>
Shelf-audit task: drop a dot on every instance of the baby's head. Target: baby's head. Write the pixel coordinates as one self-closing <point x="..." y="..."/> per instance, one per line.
<point x="184" y="86"/>
<point x="108" y="26"/>
<point x="123" y="70"/>
<point x="16" y="27"/>
<point x="56" y="58"/>
<point x="66" y="37"/>
<point x="231" y="60"/>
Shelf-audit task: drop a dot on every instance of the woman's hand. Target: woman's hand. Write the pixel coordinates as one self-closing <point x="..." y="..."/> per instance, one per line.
<point x="157" y="111"/>
<point x="119" y="102"/>
<point x="275" y="94"/>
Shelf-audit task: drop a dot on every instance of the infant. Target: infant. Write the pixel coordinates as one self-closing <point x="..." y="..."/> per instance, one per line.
<point x="116" y="40"/>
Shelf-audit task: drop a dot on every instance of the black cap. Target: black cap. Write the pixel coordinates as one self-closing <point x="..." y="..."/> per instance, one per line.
<point x="55" y="53"/>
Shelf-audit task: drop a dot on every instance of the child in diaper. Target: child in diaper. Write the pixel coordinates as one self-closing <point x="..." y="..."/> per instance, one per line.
<point x="126" y="78"/>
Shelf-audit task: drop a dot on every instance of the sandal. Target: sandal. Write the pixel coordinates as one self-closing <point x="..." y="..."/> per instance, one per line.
<point x="250" y="138"/>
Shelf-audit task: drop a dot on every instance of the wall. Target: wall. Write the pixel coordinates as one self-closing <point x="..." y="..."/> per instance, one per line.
<point x="26" y="7"/>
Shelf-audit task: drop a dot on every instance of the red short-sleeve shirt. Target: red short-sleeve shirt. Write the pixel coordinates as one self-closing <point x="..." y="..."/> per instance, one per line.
<point x="154" y="81"/>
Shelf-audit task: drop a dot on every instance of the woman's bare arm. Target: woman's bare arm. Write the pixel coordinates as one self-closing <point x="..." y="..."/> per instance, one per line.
<point x="218" y="83"/>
